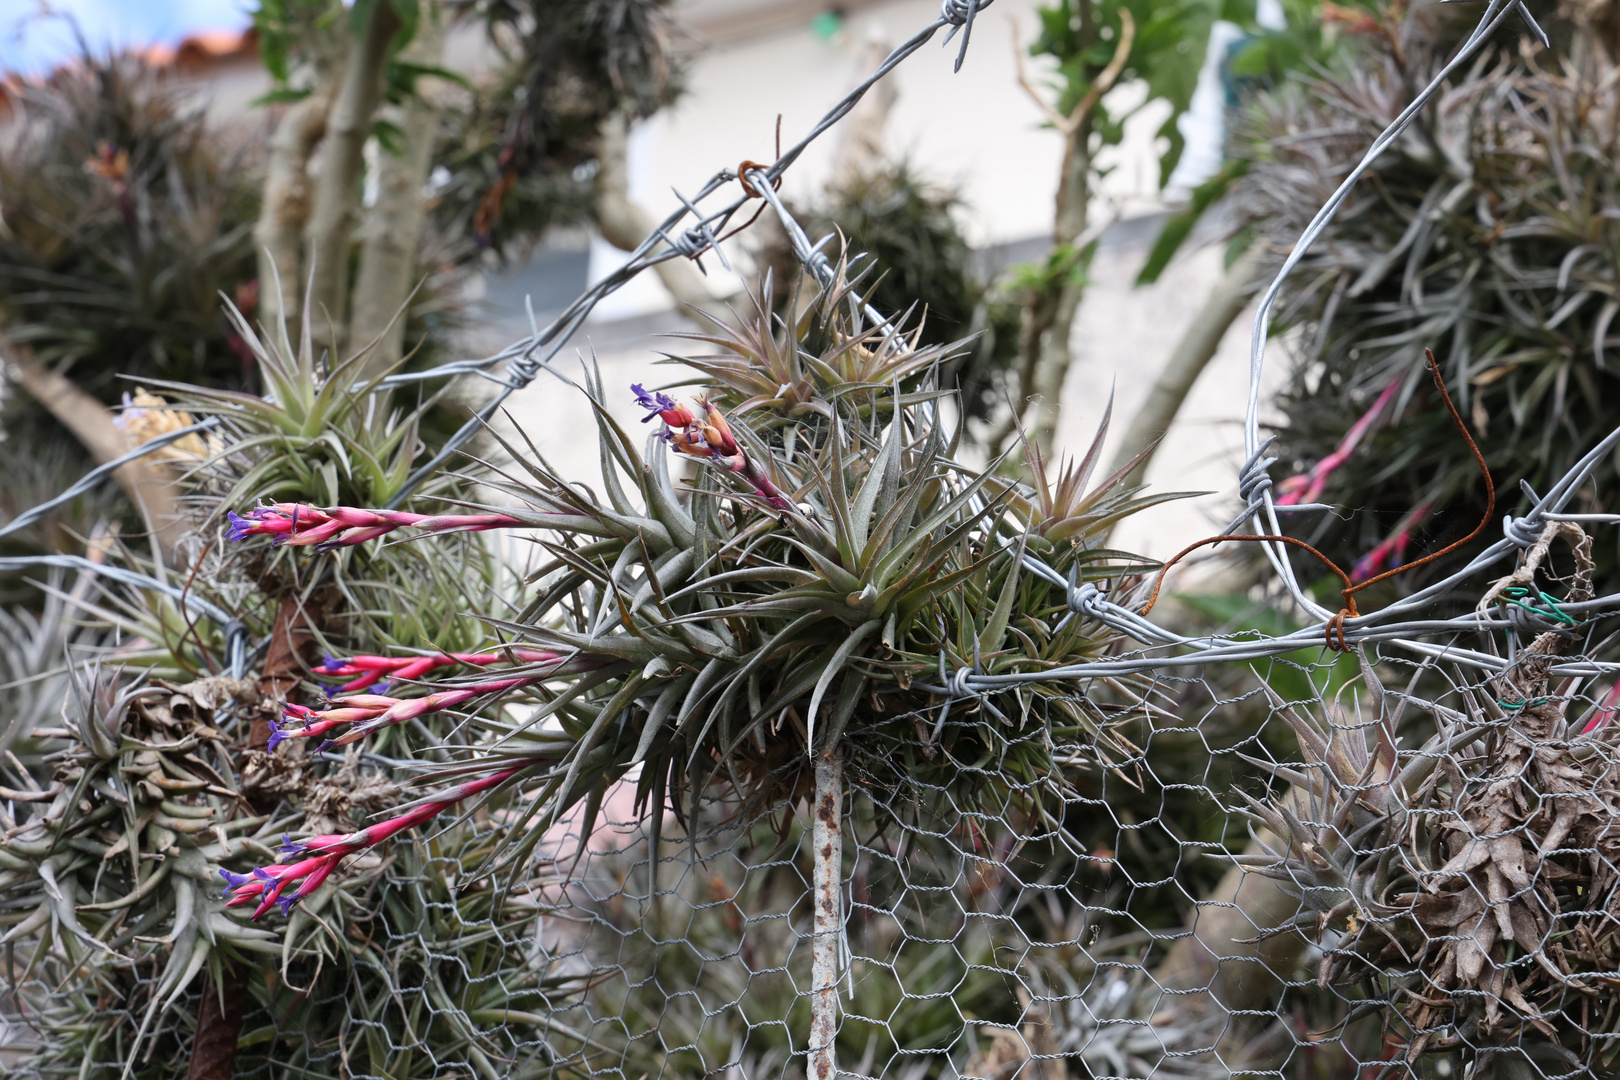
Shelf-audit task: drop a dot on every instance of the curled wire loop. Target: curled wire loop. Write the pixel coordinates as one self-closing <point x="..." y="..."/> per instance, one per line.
<point x="1335" y="629"/>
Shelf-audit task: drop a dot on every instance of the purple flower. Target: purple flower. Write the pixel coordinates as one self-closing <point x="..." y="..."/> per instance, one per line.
<point x="241" y="527"/>
<point x="289" y="847"/>
<point x="233" y="880"/>
<point x="645" y="400"/>
<point x="661" y="405"/>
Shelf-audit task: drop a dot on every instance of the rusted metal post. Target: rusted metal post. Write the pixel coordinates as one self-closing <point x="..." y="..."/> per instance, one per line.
<point x="827" y="848"/>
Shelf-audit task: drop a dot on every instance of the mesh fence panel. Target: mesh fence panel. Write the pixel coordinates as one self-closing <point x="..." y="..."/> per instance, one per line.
<point x="1299" y="866"/>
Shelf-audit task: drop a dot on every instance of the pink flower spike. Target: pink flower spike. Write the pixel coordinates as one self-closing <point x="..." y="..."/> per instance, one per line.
<point x="364" y="671"/>
<point x="299" y="525"/>
<point x="707" y="435"/>
<point x="432" y="807"/>
<point x="1605" y="710"/>
<point x="1307" y="487"/>
<point x="1392" y="551"/>
<point x="310" y="884"/>
<point x="368" y="712"/>
<point x="420" y="666"/>
<point x="268" y="884"/>
<point x="661" y="406"/>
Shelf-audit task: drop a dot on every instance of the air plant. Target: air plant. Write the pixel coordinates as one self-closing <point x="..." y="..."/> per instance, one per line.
<point x="144" y="785"/>
<point x="161" y="777"/>
<point x="126" y="214"/>
<point x="1470" y="878"/>
<point x="1490" y="228"/>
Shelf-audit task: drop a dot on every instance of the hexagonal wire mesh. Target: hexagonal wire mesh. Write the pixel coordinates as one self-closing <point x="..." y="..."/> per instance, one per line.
<point x="1395" y="860"/>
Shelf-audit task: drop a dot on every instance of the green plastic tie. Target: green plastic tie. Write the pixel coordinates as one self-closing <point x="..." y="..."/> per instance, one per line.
<point x="1547" y="608"/>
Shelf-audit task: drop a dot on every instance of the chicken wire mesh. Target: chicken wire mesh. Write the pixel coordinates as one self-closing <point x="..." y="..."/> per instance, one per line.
<point x="1423" y="855"/>
<point x="1266" y="856"/>
<point x="1424" y="886"/>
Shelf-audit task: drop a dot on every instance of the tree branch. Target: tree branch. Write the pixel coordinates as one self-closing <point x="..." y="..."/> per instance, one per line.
<point x="625" y="225"/>
<point x="1101" y="85"/>
<point x="1110" y="74"/>
<point x="337" y="192"/>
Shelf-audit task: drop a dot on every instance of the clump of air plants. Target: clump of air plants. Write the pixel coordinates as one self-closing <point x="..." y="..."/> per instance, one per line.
<point x="1470" y="881"/>
<point x="911" y="229"/>
<point x="127" y="799"/>
<point x="130" y="815"/>
<point x="799" y="598"/>
<point x="1490" y="227"/>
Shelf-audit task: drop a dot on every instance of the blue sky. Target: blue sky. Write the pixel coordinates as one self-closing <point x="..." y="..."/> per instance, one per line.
<point x="31" y="44"/>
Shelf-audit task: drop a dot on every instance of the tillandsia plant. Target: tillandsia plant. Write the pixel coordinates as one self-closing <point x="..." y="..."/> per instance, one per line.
<point x="122" y="812"/>
<point x="1467" y="882"/>
<point x="127" y="213"/>
<point x="172" y="769"/>
<point x="1490" y="227"/>
<point x="797" y="609"/>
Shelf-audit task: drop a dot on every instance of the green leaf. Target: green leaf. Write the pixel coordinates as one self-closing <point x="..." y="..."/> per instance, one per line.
<point x="1178" y="226"/>
<point x="996" y="629"/>
<point x="287" y="95"/>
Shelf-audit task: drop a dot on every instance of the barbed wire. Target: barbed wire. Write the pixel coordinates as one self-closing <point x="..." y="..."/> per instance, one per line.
<point x="527" y="357"/>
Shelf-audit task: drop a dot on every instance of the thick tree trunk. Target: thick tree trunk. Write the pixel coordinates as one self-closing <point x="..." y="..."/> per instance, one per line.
<point x="337" y="191"/>
<point x="1223" y="973"/>
<point x="290" y="639"/>
<point x="278" y="235"/>
<point x="147" y="484"/>
<point x="1049" y="319"/>
<point x="860" y="150"/>
<point x="625" y="225"/>
<point x="827" y="850"/>
<point x="393" y="226"/>
<point x="219" y="1021"/>
<point x="219" y="1024"/>
<point x="1192" y="354"/>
